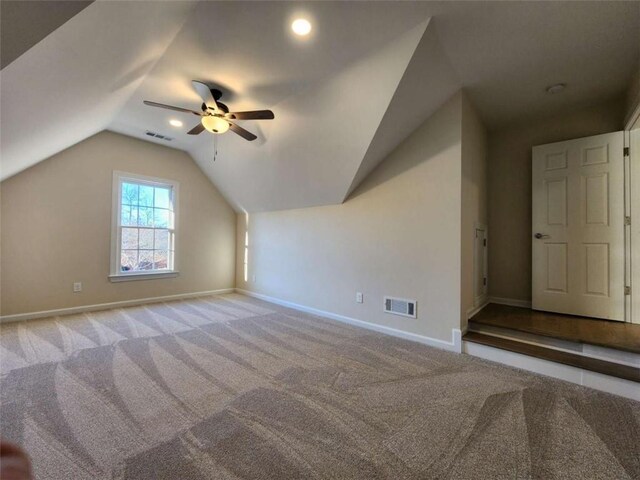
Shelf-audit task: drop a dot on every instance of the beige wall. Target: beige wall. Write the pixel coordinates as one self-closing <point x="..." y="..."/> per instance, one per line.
<point x="474" y="198"/>
<point x="398" y="234"/>
<point x="510" y="189"/>
<point x="633" y="96"/>
<point x="56" y="227"/>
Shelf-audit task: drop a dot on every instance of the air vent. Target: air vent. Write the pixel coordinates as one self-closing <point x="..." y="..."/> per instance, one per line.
<point x="158" y="135"/>
<point x="400" y="306"/>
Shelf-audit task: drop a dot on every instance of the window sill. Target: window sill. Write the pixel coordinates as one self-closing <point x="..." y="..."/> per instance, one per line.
<point x="127" y="277"/>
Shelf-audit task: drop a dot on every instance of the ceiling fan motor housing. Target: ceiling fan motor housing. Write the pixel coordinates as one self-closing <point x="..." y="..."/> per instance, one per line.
<point x="215" y="116"/>
<point x="217" y="95"/>
<point x="221" y="106"/>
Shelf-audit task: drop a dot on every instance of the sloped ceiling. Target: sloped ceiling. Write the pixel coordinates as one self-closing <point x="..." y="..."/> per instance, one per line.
<point x="42" y="19"/>
<point x="366" y="77"/>
<point x="328" y="92"/>
<point x="75" y="82"/>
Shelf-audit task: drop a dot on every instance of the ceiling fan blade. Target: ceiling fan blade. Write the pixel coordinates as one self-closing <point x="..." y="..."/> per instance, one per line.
<point x="170" y="107"/>
<point x="198" y="129"/>
<point x="205" y="93"/>
<point x="252" y="115"/>
<point x="247" y="135"/>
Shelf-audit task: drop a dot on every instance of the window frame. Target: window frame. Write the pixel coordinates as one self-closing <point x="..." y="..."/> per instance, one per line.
<point x="116" y="275"/>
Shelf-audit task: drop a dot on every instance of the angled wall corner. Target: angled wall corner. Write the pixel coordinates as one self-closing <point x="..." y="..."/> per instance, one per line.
<point x="427" y="83"/>
<point x="474" y="202"/>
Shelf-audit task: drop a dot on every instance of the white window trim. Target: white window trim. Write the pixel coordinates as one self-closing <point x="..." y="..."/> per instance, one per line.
<point x="115" y="274"/>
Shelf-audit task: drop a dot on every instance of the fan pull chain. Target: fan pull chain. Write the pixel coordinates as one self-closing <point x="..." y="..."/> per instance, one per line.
<point x="215" y="147"/>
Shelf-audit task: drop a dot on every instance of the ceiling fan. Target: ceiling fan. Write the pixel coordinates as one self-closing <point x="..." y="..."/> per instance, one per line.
<point x="215" y="116"/>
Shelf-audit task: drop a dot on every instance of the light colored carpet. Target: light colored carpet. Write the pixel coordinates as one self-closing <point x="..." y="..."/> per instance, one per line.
<point x="230" y="387"/>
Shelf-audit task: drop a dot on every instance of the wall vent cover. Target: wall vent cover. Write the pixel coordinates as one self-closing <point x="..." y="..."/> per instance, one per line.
<point x="400" y="306"/>
<point x="158" y="135"/>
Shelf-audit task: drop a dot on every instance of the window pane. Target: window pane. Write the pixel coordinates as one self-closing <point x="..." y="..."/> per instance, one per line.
<point x="162" y="240"/>
<point x="145" y="217"/>
<point x="129" y="215"/>
<point x="162" y="198"/>
<point x="161" y="218"/>
<point x="161" y="258"/>
<point x="145" y="261"/>
<point x="146" y="196"/>
<point x="129" y="238"/>
<point x="128" y="260"/>
<point x="146" y="239"/>
<point x="129" y="193"/>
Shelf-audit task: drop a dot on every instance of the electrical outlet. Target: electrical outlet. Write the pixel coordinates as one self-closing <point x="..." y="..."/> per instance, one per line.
<point x="359" y="298"/>
<point x="77" y="287"/>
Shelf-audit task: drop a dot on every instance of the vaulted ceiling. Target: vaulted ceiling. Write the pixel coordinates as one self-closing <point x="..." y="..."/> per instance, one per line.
<point x="344" y="97"/>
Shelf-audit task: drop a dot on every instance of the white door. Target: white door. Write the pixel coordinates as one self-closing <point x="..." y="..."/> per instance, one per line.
<point x="578" y="227"/>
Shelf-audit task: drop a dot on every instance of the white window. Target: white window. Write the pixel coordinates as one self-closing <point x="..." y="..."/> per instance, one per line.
<point x="143" y="227"/>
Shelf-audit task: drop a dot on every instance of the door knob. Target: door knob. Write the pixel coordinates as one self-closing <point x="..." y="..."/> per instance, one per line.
<point x="541" y="235"/>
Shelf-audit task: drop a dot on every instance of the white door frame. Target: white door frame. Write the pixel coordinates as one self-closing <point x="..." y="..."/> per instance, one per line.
<point x="632" y="234"/>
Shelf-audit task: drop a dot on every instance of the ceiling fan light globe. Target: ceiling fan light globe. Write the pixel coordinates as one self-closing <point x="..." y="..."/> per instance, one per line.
<point x="301" y="27"/>
<point x="215" y="124"/>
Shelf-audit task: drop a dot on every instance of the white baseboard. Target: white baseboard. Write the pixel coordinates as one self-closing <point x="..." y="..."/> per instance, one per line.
<point x="456" y="334"/>
<point x="472" y="311"/>
<point x="512" y="302"/>
<point x="106" y="306"/>
<point x="598" y="381"/>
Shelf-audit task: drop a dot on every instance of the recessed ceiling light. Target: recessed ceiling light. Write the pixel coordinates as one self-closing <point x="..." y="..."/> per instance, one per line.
<point x="301" y="27"/>
<point x="557" y="88"/>
<point x="175" y="123"/>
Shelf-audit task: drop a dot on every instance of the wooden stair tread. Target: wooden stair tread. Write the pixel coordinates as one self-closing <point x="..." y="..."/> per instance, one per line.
<point x="592" y="364"/>
<point x="604" y="333"/>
